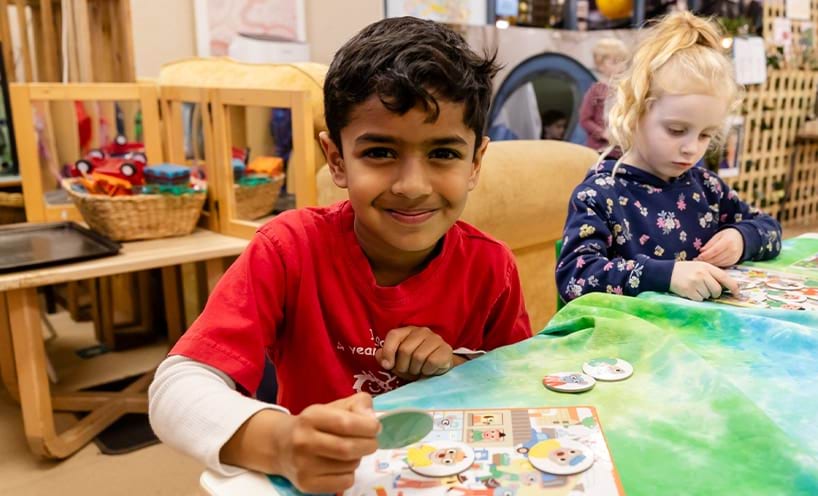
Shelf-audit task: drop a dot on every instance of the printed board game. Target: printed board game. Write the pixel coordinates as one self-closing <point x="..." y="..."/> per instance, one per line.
<point x="769" y="289"/>
<point x="493" y="452"/>
<point x="809" y="263"/>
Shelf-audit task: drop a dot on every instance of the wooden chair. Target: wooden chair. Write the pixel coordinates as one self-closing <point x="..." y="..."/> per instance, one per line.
<point x="54" y="104"/>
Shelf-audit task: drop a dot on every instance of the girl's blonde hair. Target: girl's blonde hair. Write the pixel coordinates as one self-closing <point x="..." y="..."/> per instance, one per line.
<point x="680" y="55"/>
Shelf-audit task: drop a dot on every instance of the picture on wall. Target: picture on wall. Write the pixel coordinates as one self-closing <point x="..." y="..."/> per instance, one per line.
<point x="219" y="21"/>
<point x="449" y="11"/>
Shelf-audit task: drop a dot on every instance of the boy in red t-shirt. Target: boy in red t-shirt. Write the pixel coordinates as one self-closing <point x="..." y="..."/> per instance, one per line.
<point x="361" y="296"/>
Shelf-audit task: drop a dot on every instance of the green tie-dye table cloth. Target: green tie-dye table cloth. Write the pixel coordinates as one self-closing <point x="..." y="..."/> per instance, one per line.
<point x="794" y="257"/>
<point x="723" y="400"/>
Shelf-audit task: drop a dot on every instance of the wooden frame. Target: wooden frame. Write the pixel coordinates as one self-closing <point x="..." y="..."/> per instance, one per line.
<point x="301" y="167"/>
<point x="61" y="98"/>
<point x="775" y="169"/>
<point x="171" y="99"/>
<point x="40" y="50"/>
<point x="779" y="170"/>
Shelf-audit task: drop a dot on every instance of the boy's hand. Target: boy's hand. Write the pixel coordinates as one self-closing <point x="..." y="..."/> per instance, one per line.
<point x="699" y="281"/>
<point x="326" y="444"/>
<point x="724" y="249"/>
<point x="317" y="450"/>
<point x="414" y="352"/>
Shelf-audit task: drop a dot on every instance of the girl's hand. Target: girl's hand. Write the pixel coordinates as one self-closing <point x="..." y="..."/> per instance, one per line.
<point x="724" y="249"/>
<point x="700" y="281"/>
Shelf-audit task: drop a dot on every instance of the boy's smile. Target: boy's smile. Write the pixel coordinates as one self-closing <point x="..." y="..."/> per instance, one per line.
<point x="408" y="178"/>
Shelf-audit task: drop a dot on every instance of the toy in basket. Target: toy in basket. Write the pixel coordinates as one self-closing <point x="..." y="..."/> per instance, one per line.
<point x="121" y="147"/>
<point x="113" y="176"/>
<point x="112" y="195"/>
<point x="257" y="186"/>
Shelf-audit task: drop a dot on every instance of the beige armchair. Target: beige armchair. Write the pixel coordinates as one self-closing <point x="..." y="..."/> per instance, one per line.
<point x="522" y="200"/>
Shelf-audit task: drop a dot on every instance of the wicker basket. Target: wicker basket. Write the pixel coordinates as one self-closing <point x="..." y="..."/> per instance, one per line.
<point x="125" y="218"/>
<point x="12" y="209"/>
<point x="257" y="201"/>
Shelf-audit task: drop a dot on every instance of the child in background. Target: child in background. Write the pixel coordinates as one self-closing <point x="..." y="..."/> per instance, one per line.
<point x="651" y="221"/>
<point x="361" y="296"/>
<point x="610" y="57"/>
<point x="554" y="123"/>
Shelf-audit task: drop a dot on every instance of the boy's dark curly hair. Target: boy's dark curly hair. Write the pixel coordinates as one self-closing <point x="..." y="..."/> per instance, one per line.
<point x="407" y="62"/>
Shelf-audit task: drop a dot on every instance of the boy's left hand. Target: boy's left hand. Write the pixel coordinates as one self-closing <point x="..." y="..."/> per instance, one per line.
<point x="724" y="249"/>
<point x="413" y="352"/>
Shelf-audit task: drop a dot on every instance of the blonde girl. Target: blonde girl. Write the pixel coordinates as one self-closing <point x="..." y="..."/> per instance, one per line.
<point x="653" y="220"/>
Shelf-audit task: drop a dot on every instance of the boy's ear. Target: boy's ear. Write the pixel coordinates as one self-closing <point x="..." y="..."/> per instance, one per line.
<point x="477" y="163"/>
<point x="334" y="160"/>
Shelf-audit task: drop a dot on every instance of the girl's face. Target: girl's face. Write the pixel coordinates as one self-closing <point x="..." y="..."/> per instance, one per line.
<point x="611" y="65"/>
<point x="675" y="132"/>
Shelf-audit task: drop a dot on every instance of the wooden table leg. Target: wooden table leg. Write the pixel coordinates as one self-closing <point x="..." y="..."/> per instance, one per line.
<point x="7" y="369"/>
<point x="35" y="391"/>
<point x="102" y="309"/>
<point x="72" y="299"/>
<point x="144" y="314"/>
<point x="214" y="268"/>
<point x="208" y="274"/>
<point x="174" y="303"/>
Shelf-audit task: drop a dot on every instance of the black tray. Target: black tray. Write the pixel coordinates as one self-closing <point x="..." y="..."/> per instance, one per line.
<point x="26" y="246"/>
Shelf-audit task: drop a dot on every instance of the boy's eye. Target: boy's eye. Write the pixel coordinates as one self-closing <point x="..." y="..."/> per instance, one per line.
<point x="706" y="136"/>
<point x="444" y="154"/>
<point x="675" y="131"/>
<point x="379" y="153"/>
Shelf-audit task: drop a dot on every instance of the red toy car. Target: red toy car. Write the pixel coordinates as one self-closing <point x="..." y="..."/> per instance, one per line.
<point x="121" y="147"/>
<point x="129" y="168"/>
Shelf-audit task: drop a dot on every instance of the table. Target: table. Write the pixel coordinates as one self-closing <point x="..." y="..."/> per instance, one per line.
<point x="6" y="180"/>
<point x="722" y="401"/>
<point x="23" y="359"/>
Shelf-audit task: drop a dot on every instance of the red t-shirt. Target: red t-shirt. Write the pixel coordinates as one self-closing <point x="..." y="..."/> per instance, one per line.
<point x="303" y="292"/>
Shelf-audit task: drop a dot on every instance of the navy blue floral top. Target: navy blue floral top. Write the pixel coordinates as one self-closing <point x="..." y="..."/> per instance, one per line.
<point x="624" y="234"/>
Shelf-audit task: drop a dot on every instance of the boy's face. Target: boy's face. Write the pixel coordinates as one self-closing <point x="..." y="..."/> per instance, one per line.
<point x="408" y="179"/>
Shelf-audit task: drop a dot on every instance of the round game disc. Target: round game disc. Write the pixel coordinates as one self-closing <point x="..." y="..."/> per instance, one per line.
<point x="560" y="457"/>
<point x="754" y="296"/>
<point x="791" y="306"/>
<point x="785" y="284"/>
<point x="811" y="293"/>
<point x="788" y="297"/>
<point x="440" y="458"/>
<point x="608" y="369"/>
<point x="403" y="427"/>
<point x="568" y="382"/>
<point x="810" y="305"/>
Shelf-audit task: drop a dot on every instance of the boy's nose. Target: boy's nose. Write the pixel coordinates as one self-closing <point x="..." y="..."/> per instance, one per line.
<point x="412" y="180"/>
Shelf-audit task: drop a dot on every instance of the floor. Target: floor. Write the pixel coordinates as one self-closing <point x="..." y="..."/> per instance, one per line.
<point x="156" y="470"/>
